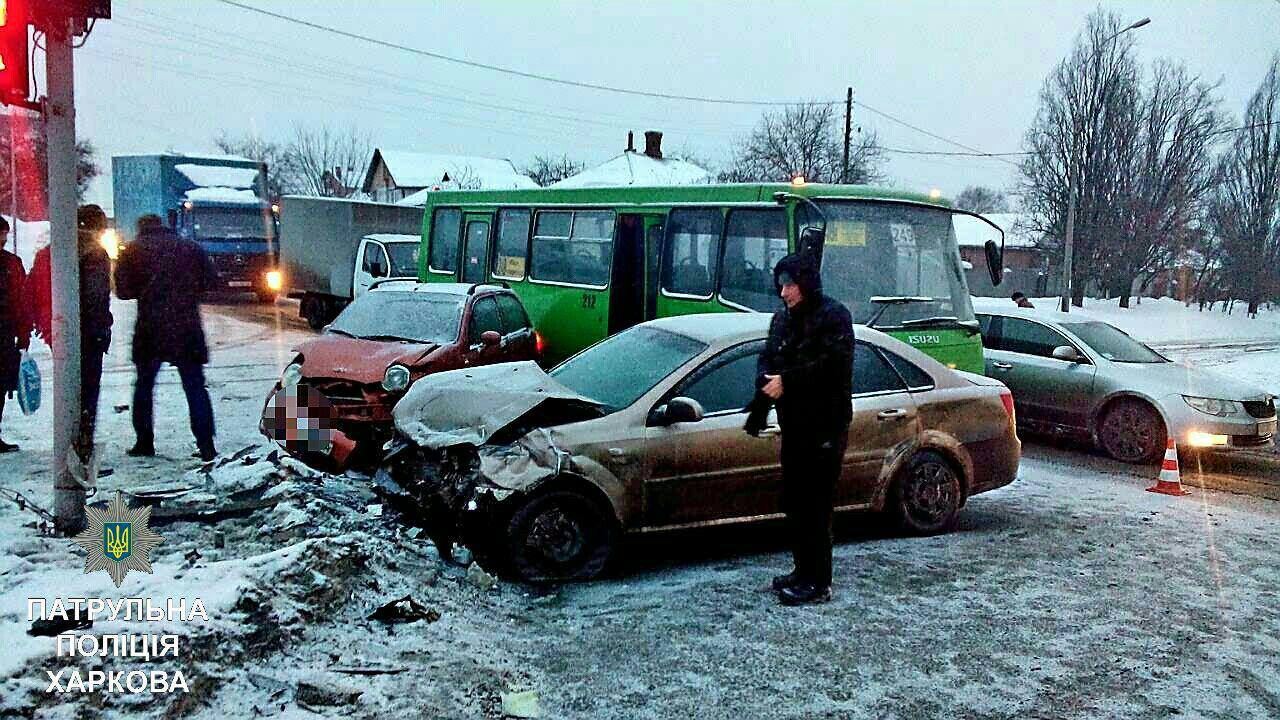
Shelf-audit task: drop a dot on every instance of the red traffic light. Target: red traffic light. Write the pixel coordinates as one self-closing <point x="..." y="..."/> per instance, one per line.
<point x="15" y="75"/>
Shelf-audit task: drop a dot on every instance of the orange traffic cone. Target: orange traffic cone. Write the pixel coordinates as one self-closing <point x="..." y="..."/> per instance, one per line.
<point x="1170" y="480"/>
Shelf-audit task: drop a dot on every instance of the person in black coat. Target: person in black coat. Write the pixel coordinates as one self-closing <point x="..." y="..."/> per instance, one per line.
<point x="15" y="322"/>
<point x="95" y="312"/>
<point x="806" y="371"/>
<point x="167" y="275"/>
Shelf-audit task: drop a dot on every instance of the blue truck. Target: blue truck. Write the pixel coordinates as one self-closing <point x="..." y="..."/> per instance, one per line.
<point x="219" y="202"/>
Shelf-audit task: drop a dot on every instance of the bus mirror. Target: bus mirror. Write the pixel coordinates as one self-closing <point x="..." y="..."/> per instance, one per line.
<point x="995" y="262"/>
<point x="812" y="240"/>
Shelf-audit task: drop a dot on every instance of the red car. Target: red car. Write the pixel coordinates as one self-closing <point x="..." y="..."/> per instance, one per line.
<point x="350" y="377"/>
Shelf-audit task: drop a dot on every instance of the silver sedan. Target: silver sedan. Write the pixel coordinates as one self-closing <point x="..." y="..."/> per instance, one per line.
<point x="1084" y="377"/>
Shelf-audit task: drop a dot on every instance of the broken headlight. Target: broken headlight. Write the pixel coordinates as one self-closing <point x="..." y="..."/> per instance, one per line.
<point x="292" y="374"/>
<point x="396" y="378"/>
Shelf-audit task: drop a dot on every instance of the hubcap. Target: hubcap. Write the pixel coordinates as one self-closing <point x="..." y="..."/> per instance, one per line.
<point x="1129" y="433"/>
<point x="556" y="536"/>
<point x="931" y="492"/>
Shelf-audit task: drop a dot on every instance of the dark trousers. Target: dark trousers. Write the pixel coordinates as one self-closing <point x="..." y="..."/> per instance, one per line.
<point x="90" y="388"/>
<point x="810" y="469"/>
<point x="198" y="403"/>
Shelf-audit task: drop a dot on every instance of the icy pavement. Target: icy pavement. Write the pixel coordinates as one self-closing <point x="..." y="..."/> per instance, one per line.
<point x="1063" y="595"/>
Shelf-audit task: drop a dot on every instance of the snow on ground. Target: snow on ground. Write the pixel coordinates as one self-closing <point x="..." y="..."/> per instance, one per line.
<point x="1164" y="321"/>
<point x="1071" y="593"/>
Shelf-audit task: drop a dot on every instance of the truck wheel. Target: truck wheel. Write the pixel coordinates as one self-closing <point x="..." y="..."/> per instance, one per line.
<point x="559" y="536"/>
<point x="312" y="309"/>
<point x="925" y="496"/>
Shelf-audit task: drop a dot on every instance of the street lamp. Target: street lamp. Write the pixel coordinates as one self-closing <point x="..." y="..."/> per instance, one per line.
<point x="1065" y="304"/>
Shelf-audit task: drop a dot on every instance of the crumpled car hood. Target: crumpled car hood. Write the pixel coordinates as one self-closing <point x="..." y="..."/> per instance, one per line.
<point x="362" y="361"/>
<point x="472" y="405"/>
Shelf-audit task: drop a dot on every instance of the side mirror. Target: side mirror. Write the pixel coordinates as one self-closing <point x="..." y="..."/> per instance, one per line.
<point x="677" y="410"/>
<point x="995" y="262"/>
<point x="490" y="337"/>
<point x="812" y="239"/>
<point x="1068" y="353"/>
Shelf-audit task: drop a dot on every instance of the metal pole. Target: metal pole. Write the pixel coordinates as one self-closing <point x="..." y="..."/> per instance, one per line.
<point x="848" y="128"/>
<point x="60" y="124"/>
<point x="1067" y="251"/>
<point x="13" y="182"/>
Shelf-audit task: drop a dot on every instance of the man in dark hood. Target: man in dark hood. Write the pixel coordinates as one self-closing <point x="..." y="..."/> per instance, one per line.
<point x="806" y="371"/>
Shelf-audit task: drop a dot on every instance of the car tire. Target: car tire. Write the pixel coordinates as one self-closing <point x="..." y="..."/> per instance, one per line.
<point x="314" y="310"/>
<point x="1132" y="431"/>
<point x="925" y="495"/>
<point x="559" y="536"/>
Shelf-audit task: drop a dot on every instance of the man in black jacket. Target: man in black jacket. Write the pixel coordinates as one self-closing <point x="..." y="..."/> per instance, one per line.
<point x="806" y="370"/>
<point x="167" y="275"/>
<point x="15" y="322"/>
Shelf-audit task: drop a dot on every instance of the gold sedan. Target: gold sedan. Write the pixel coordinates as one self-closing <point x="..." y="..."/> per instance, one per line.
<point x="642" y="432"/>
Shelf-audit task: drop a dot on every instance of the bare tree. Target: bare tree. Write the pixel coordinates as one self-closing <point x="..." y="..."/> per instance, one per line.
<point x="1165" y="183"/>
<point x="547" y="169"/>
<point x="281" y="179"/>
<point x="465" y="178"/>
<point x="804" y="140"/>
<point x="328" y="161"/>
<point x="1081" y="143"/>
<point x="979" y="199"/>
<point x="1246" y="211"/>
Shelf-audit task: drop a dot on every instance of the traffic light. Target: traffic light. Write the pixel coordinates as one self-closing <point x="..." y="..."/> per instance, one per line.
<point x="15" y="76"/>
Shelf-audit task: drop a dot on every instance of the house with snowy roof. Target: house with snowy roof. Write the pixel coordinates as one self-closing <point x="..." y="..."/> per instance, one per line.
<point x="639" y="168"/>
<point x="395" y="176"/>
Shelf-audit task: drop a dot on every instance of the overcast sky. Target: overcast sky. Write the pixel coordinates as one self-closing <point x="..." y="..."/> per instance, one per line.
<point x="171" y="74"/>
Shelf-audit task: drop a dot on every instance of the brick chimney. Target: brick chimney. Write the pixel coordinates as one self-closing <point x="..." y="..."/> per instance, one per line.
<point x="631" y="141"/>
<point x="653" y="144"/>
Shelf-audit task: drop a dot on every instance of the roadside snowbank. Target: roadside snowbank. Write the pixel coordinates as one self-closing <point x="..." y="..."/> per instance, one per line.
<point x="1164" y="321"/>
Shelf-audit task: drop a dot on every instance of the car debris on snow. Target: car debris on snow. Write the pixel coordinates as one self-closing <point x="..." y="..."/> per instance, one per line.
<point x="404" y="610"/>
<point x="522" y="704"/>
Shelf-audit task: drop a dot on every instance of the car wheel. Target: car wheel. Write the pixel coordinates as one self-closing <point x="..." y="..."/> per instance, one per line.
<point x="313" y="310"/>
<point x="1132" y="431"/>
<point x="558" y="536"/>
<point x="926" y="494"/>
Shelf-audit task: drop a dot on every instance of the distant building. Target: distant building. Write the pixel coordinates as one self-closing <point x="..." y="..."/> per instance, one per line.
<point x="1025" y="262"/>
<point x="395" y="176"/>
<point x="635" y="168"/>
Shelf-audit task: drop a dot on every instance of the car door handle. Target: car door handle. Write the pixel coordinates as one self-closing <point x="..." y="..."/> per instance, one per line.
<point x="1001" y="365"/>
<point x="891" y="414"/>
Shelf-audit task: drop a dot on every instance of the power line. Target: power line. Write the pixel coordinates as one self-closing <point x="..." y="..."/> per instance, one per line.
<point x="520" y="73"/>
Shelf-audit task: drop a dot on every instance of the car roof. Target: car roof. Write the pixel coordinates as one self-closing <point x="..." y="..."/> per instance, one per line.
<point x="437" y="288"/>
<point x="720" y="330"/>
<point x="1050" y="316"/>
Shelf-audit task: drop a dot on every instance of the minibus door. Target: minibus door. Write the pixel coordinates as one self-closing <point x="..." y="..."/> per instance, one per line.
<point x="628" y="279"/>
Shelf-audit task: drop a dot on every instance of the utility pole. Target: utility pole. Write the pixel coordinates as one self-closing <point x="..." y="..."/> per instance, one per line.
<point x="60" y="124"/>
<point x="848" y="133"/>
<point x="13" y="180"/>
<point x="1068" y="248"/>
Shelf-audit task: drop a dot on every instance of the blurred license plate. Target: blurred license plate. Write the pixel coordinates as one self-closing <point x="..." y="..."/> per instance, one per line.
<point x="1267" y="428"/>
<point x="239" y="283"/>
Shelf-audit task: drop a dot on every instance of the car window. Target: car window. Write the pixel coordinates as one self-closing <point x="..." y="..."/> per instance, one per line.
<point x="446" y="231"/>
<point x="990" y="328"/>
<point x="1029" y="338"/>
<point x="374" y="259"/>
<point x="692" y="251"/>
<point x="728" y="382"/>
<point x="404" y="258"/>
<point x="915" y="377"/>
<point x="484" y="317"/>
<point x="871" y="373"/>
<point x="1113" y="344"/>
<point x="618" y="370"/>
<point x="514" y="318"/>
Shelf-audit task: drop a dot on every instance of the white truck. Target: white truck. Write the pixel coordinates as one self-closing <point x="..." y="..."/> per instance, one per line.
<point x="332" y="250"/>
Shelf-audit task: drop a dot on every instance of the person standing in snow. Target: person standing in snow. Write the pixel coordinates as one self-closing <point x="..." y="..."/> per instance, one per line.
<point x="1021" y="300"/>
<point x="15" y="323"/>
<point x="167" y="275"/>
<point x="95" y="312"/>
<point x="806" y="371"/>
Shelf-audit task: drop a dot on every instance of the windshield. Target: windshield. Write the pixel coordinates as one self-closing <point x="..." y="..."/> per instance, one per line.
<point x="232" y="223"/>
<point x="891" y="250"/>
<point x="617" y="371"/>
<point x="404" y="258"/>
<point x="1113" y="344"/>
<point x="394" y="315"/>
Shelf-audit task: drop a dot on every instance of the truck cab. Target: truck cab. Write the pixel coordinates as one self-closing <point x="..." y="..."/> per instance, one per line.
<point x="239" y="237"/>
<point x="385" y="256"/>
